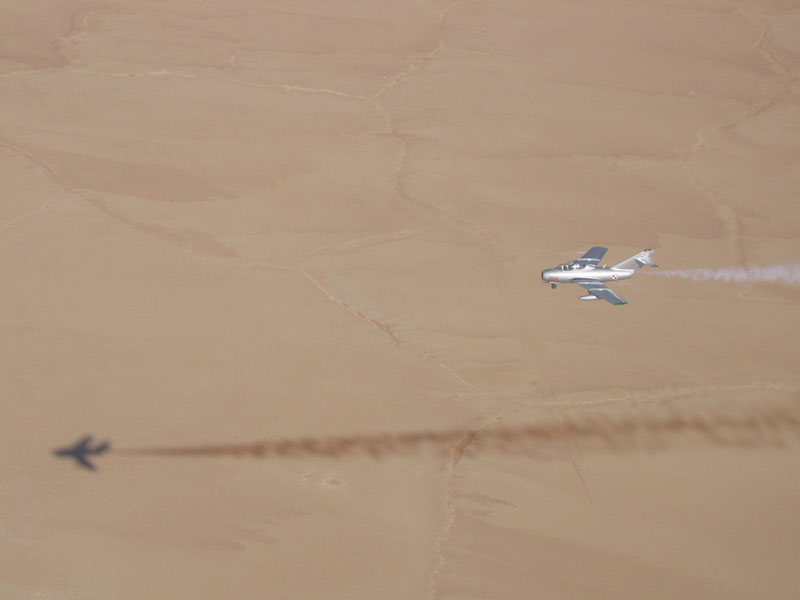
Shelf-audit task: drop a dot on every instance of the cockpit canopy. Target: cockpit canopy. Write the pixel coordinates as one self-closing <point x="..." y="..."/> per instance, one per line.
<point x="571" y="266"/>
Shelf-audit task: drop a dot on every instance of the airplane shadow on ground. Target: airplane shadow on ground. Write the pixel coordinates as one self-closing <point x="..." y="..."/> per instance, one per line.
<point x="636" y="432"/>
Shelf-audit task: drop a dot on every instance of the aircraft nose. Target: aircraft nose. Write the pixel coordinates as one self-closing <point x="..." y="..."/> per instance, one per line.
<point x="544" y="275"/>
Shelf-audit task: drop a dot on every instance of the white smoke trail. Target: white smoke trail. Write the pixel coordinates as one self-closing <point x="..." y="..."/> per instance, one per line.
<point x="789" y="274"/>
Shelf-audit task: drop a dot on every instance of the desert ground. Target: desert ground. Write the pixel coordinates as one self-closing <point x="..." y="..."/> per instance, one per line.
<point x="285" y="257"/>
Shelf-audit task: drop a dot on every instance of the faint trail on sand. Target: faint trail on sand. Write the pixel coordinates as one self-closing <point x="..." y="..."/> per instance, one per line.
<point x="773" y="91"/>
<point x="633" y="432"/>
<point x="195" y="241"/>
<point x="788" y="274"/>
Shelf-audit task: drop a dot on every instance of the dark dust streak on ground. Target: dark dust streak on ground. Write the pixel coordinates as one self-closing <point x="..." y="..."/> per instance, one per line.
<point x="632" y="433"/>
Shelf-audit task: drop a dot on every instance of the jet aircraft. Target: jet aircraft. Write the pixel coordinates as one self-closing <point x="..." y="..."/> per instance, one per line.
<point x="81" y="449"/>
<point x="586" y="272"/>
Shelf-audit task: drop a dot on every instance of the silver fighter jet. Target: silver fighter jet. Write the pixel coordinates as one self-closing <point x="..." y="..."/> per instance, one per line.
<point x="586" y="272"/>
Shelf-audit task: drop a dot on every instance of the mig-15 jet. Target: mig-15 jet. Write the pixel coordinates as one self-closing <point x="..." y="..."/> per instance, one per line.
<point x="586" y="272"/>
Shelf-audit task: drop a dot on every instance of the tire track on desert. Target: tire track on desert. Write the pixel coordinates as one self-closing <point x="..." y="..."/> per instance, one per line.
<point x="768" y="99"/>
<point x="545" y="391"/>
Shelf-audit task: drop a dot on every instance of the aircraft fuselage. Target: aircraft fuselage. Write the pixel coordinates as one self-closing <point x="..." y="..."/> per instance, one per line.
<point x="559" y="275"/>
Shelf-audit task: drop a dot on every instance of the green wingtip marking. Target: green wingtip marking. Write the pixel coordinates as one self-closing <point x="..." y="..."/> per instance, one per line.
<point x="621" y="303"/>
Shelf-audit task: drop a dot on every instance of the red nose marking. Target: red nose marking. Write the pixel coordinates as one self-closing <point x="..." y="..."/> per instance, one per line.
<point x="553" y="278"/>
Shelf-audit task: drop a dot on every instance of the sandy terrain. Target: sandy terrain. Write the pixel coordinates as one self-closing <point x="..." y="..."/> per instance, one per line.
<point x="285" y="256"/>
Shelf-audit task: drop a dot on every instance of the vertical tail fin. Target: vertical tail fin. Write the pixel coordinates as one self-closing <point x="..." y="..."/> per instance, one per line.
<point x="637" y="261"/>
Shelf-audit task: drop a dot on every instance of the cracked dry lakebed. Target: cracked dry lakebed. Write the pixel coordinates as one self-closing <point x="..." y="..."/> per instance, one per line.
<point x="285" y="258"/>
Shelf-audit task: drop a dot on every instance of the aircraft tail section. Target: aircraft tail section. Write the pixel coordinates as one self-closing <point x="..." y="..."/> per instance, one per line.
<point x="637" y="261"/>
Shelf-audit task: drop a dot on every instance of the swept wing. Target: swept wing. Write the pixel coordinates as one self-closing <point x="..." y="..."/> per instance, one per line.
<point x="593" y="256"/>
<point x="601" y="291"/>
<point x="84" y="462"/>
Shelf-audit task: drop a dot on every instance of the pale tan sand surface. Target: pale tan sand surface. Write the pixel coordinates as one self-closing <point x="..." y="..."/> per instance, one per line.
<point x="286" y="257"/>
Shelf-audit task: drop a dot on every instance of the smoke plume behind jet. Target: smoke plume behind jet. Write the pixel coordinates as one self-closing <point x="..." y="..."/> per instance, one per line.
<point x="786" y="274"/>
